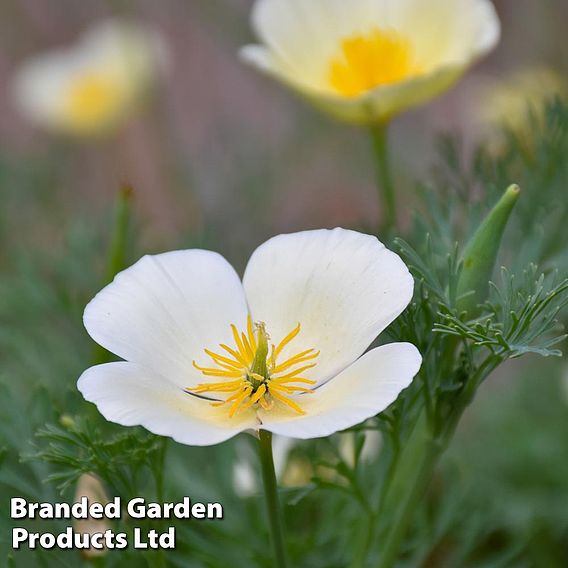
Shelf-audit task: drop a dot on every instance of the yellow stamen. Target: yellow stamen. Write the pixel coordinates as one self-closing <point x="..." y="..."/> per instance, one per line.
<point x="285" y="341"/>
<point x="379" y="57"/>
<point x="251" y="337"/>
<point x="300" y="358"/>
<point x="294" y="380"/>
<point x="216" y="387"/>
<point x="219" y="359"/>
<point x="286" y="401"/>
<point x="235" y="354"/>
<point x="239" y="399"/>
<point x="295" y="372"/>
<point x="247" y="346"/>
<point x="238" y="341"/>
<point x="257" y="375"/>
<point x="212" y="372"/>
<point x="287" y="389"/>
<point x="254" y="398"/>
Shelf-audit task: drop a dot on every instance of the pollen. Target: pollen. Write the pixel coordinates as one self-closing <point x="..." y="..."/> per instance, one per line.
<point x="254" y="373"/>
<point x="91" y="100"/>
<point x="366" y="61"/>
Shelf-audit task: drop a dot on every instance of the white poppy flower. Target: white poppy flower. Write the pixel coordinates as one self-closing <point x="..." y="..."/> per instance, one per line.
<point x="368" y="60"/>
<point x="208" y="356"/>
<point x="91" y="87"/>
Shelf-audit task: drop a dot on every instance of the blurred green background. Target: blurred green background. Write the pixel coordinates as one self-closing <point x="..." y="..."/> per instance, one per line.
<point x="222" y="158"/>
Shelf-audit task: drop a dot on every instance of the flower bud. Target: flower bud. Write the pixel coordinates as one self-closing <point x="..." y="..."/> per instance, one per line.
<point x="481" y="253"/>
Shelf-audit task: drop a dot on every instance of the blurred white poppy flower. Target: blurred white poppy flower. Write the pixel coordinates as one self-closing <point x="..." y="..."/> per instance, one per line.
<point x="208" y="357"/>
<point x="368" y="60"/>
<point x="94" y="86"/>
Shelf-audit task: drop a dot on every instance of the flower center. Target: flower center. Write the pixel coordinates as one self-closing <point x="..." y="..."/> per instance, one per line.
<point x="254" y="375"/>
<point x="380" y="57"/>
<point x="91" y="100"/>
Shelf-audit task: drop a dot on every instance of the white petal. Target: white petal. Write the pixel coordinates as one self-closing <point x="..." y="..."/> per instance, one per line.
<point x="363" y="390"/>
<point x="343" y="287"/>
<point x="380" y="104"/>
<point x="304" y="35"/>
<point x="447" y="32"/>
<point x="131" y="51"/>
<point x="40" y="86"/>
<point x="131" y="395"/>
<point x="383" y="103"/>
<point x="165" y="309"/>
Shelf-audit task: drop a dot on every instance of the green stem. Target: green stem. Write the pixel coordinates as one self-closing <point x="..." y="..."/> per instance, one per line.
<point x="417" y="477"/>
<point x="406" y="484"/>
<point x="407" y="506"/>
<point x="159" y="469"/>
<point x="385" y="186"/>
<point x="271" y="496"/>
<point x="117" y="252"/>
<point x="360" y="558"/>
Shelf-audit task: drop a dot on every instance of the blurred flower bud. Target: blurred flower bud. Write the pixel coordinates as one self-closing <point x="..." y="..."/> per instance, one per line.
<point x="67" y="421"/>
<point x="90" y="487"/>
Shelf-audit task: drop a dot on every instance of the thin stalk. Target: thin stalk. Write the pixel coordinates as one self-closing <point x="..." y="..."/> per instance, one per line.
<point x="360" y="558"/>
<point x="406" y="508"/>
<point x="271" y="496"/>
<point x="118" y="245"/>
<point x="116" y="260"/>
<point x="159" y="469"/>
<point x="385" y="186"/>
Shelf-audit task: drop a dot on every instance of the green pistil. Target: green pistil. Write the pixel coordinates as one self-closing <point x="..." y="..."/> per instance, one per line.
<point x="259" y="366"/>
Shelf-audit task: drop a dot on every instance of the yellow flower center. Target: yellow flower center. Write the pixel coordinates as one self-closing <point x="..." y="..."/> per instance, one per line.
<point x="92" y="100"/>
<point x="254" y="375"/>
<point x="366" y="61"/>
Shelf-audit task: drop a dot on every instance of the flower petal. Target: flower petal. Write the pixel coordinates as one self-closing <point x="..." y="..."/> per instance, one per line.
<point x="303" y="35"/>
<point x="165" y="309"/>
<point x="379" y="104"/>
<point x="40" y="86"/>
<point x="343" y="287"/>
<point x="131" y="395"/>
<point x="363" y="390"/>
<point x="385" y="102"/>
<point x="446" y="32"/>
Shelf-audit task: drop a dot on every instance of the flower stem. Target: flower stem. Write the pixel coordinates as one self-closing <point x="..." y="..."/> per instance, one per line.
<point x="271" y="495"/>
<point x="385" y="187"/>
<point x="117" y="252"/>
<point x="118" y="245"/>
<point x="406" y="508"/>
<point x="422" y="453"/>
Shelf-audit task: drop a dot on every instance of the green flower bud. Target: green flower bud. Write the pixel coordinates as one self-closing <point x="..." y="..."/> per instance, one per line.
<point x="480" y="254"/>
